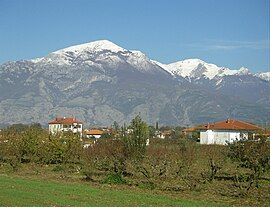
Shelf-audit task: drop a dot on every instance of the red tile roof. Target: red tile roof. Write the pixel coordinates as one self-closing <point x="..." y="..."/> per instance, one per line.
<point x="229" y="124"/>
<point x="94" y="132"/>
<point x="65" y="120"/>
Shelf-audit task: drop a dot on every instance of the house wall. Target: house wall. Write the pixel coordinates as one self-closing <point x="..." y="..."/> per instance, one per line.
<point x="54" y="128"/>
<point x="206" y="137"/>
<point x="221" y="137"/>
<point x="75" y="128"/>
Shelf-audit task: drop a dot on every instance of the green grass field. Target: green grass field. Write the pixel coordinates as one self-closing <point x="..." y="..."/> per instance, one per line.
<point x="16" y="191"/>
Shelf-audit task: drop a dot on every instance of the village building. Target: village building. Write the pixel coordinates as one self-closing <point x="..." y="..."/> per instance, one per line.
<point x="93" y="133"/>
<point x="65" y="124"/>
<point x="163" y="134"/>
<point x="224" y="132"/>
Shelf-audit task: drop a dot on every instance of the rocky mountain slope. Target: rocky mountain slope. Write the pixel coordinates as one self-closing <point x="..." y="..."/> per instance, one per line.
<point x="100" y="82"/>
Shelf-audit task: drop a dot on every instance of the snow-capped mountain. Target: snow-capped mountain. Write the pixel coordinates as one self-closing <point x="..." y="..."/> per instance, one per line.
<point x="100" y="82"/>
<point x="99" y="54"/>
<point x="264" y="76"/>
<point x="233" y="83"/>
<point x="196" y="68"/>
<point x="82" y="52"/>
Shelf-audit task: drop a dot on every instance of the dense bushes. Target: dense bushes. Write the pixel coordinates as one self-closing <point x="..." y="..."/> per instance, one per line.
<point x="35" y="145"/>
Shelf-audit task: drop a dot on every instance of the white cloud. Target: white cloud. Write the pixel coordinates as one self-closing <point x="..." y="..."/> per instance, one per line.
<point x="230" y="45"/>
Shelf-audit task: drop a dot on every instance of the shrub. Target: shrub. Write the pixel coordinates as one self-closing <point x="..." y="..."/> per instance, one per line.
<point x="107" y="155"/>
<point x="35" y="145"/>
<point x="216" y="157"/>
<point x="252" y="154"/>
<point x="114" y="178"/>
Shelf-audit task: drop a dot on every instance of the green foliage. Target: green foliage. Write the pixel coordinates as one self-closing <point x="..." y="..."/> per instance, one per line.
<point x="115" y="126"/>
<point x="33" y="144"/>
<point x="61" y="148"/>
<point x="152" y="131"/>
<point x="135" y="138"/>
<point x="114" y="178"/>
<point x="58" y="168"/>
<point x="30" y="143"/>
<point x="253" y="154"/>
<point x="106" y="136"/>
<point x="195" y="136"/>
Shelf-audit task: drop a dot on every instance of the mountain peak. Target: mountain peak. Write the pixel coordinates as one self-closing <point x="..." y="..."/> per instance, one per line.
<point x="98" y="45"/>
<point x="243" y="71"/>
<point x="264" y="75"/>
<point x="68" y="55"/>
<point x="192" y="68"/>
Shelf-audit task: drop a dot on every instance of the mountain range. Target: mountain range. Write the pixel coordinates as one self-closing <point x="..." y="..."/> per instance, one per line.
<point x="100" y="82"/>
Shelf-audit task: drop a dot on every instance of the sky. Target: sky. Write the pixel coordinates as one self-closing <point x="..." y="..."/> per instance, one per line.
<point x="229" y="33"/>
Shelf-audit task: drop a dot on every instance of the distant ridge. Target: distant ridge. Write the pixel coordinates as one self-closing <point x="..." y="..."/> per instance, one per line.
<point x="100" y="82"/>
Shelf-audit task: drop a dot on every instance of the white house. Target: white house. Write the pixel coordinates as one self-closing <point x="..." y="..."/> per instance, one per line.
<point x="64" y="124"/>
<point x="224" y="132"/>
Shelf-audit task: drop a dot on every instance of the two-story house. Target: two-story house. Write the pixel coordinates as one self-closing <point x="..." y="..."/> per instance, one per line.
<point x="64" y="124"/>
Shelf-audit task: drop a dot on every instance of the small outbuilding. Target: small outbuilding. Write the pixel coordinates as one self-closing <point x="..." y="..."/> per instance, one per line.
<point x="93" y="133"/>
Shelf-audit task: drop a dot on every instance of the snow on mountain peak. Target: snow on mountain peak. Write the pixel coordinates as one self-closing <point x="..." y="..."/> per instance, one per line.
<point x="36" y="60"/>
<point x="243" y="71"/>
<point x="140" y="61"/>
<point x="196" y="68"/>
<point x="264" y="76"/>
<point x="192" y="68"/>
<point x="104" y="51"/>
<point x="99" y="45"/>
<point x="80" y="52"/>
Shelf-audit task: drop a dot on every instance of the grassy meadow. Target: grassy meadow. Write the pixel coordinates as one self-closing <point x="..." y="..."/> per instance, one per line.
<point x="16" y="191"/>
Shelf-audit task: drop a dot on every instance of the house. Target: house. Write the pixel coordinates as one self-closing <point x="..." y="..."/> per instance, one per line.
<point x="64" y="124"/>
<point x="224" y="132"/>
<point x="93" y="133"/>
<point x="163" y="134"/>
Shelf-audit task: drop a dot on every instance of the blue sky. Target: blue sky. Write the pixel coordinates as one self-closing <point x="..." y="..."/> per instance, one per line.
<point x="231" y="33"/>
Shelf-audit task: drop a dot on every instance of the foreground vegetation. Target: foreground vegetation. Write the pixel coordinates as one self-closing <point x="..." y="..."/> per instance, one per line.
<point x="25" y="192"/>
<point x="237" y="174"/>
